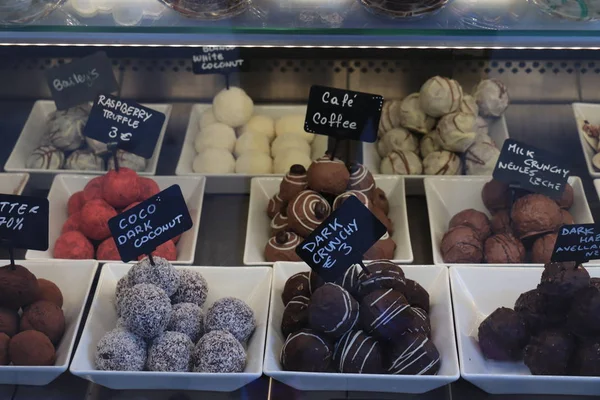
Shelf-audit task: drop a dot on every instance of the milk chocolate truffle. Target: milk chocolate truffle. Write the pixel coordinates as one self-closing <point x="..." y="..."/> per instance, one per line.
<point x="385" y="314"/>
<point x="294" y="182"/>
<point x="504" y="248"/>
<point x="413" y="354"/>
<point x="45" y="317"/>
<point x="4" y="341"/>
<point x="496" y="195"/>
<point x="416" y="295"/>
<point x="276" y="204"/>
<point x="307" y="211"/>
<point x="584" y="316"/>
<point x="549" y="353"/>
<point x="9" y="321"/>
<point x="566" y="198"/>
<point x="279" y="223"/>
<point x="532" y="307"/>
<point x="120" y="189"/>
<point x="381" y="274"/>
<point x="361" y="180"/>
<point x="541" y="252"/>
<point x="363" y="198"/>
<point x="295" y="315"/>
<point x="332" y="310"/>
<point x="563" y="279"/>
<point x="31" y="348"/>
<point x="586" y="360"/>
<point x="358" y="353"/>
<point x="500" y="222"/>
<point x="475" y="220"/>
<point x="282" y="247"/>
<point x="328" y="176"/>
<point x="18" y="286"/>
<point x="567" y="218"/>
<point x="461" y="244"/>
<point x="380" y="201"/>
<point x="503" y="335"/>
<point x="534" y="214"/>
<point x="383" y="218"/>
<point x="383" y="249"/>
<point x="306" y="351"/>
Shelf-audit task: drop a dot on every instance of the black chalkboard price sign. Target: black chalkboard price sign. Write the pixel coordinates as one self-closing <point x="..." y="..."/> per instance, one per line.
<point x="133" y="127"/>
<point x="531" y="169"/>
<point x="141" y="229"/>
<point x="24" y="222"/>
<point x="81" y="80"/>
<point x="341" y="240"/>
<point x="580" y="243"/>
<point x="343" y="114"/>
<point x="217" y="60"/>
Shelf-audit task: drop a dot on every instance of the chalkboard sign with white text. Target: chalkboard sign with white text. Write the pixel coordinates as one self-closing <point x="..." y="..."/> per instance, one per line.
<point x="133" y="127"/>
<point x="81" y="80"/>
<point x="217" y="60"/>
<point x="341" y="240"/>
<point x="580" y="243"/>
<point x="141" y="229"/>
<point x="24" y="221"/>
<point x="531" y="169"/>
<point x="343" y="114"/>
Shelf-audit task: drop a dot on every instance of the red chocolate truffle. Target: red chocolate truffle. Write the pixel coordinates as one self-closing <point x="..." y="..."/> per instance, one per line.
<point x="18" y="286"/>
<point x="50" y="292"/>
<point x="93" y="189"/>
<point x="496" y="195"/>
<point x="73" y="223"/>
<point x="567" y="197"/>
<point x="504" y="248"/>
<point x="31" y="348"/>
<point x="328" y="176"/>
<point x="4" y="341"/>
<point x="73" y="245"/>
<point x="461" y="244"/>
<point x="475" y="220"/>
<point x="45" y="317"/>
<point x="383" y="249"/>
<point x="567" y="218"/>
<point x="541" y="252"/>
<point x="121" y="188"/>
<point x="389" y="225"/>
<point x="148" y="188"/>
<point x="500" y="222"/>
<point x="129" y="207"/>
<point x="535" y="214"/>
<point x="9" y="321"/>
<point x="75" y="203"/>
<point x="108" y="250"/>
<point x="167" y="250"/>
<point x="94" y="219"/>
<point x="380" y="201"/>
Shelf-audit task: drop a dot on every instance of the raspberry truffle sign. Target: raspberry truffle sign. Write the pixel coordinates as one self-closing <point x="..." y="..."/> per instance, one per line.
<point x="343" y="114"/>
<point x="24" y="222"/>
<point x="129" y="125"/>
<point x="141" y="229"/>
<point x="531" y="169"/>
<point x="579" y="243"/>
<point x="217" y="60"/>
<point x="341" y="240"/>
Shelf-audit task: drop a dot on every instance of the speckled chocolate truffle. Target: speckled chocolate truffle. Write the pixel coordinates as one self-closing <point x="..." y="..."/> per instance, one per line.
<point x="170" y="352"/>
<point x="586" y="360"/>
<point x="9" y="321"/>
<point x="567" y="218"/>
<point x="232" y="315"/>
<point x="295" y="315"/>
<point x="504" y="248"/>
<point x="500" y="222"/>
<point x="496" y="195"/>
<point x="549" y="353"/>
<point x="31" y="348"/>
<point x="385" y="314"/>
<point x="380" y="201"/>
<point x="306" y="351"/>
<point x="187" y="318"/>
<point x="328" y="176"/>
<point x="461" y="245"/>
<point x="584" y="316"/>
<point x="381" y="274"/>
<point x="4" y="341"/>
<point x="45" y="317"/>
<point x="563" y="279"/>
<point x="535" y="214"/>
<point x="161" y="274"/>
<point x="532" y="307"/>
<point x="219" y="352"/>
<point x="146" y="310"/>
<point x="18" y="286"/>
<point x="193" y="288"/>
<point x="475" y="220"/>
<point x="50" y="292"/>
<point x="566" y="198"/>
<point x="503" y="335"/>
<point x="332" y="310"/>
<point x="300" y="284"/>
<point x="358" y="353"/>
<point x="413" y="354"/>
<point x="416" y="295"/>
<point x="541" y="252"/>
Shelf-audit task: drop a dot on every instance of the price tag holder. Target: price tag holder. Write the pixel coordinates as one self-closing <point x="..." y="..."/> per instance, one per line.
<point x="579" y="242"/>
<point x="531" y="169"/>
<point x="141" y="229"/>
<point x="133" y="127"/>
<point x="343" y="114"/>
<point x="218" y="60"/>
<point x="81" y="80"/>
<point x="341" y="240"/>
<point x="24" y="221"/>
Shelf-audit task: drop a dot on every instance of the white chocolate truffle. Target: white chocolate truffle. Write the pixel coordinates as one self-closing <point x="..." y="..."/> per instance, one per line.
<point x="96" y="146"/>
<point x="442" y="163"/>
<point x="251" y="141"/>
<point x="469" y="105"/>
<point x="401" y="163"/>
<point x="456" y="131"/>
<point x="214" y="161"/>
<point x="293" y="124"/>
<point x="284" y="160"/>
<point x="429" y="144"/>
<point x="440" y="96"/>
<point x="216" y="136"/>
<point x="45" y="157"/>
<point x="390" y="116"/>
<point x="206" y="118"/>
<point x="260" y="124"/>
<point x="254" y="162"/>
<point x="84" y="160"/>
<point x="397" y="139"/>
<point x="481" y="126"/>
<point x="492" y="97"/>
<point x="128" y="160"/>
<point x="413" y="117"/>
<point x="283" y="143"/>
<point x="65" y="127"/>
<point x="486" y="139"/>
<point x="481" y="158"/>
<point x="233" y="107"/>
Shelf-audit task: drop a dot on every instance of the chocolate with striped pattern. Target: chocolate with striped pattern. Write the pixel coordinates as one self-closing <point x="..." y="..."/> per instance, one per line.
<point x="282" y="247"/>
<point x="293" y="182"/>
<point x="306" y="351"/>
<point x="358" y="353"/>
<point x="276" y="204"/>
<point x="279" y="223"/>
<point x="45" y="157"/>
<point x="339" y="200"/>
<point x="351" y="279"/>
<point x="382" y="274"/>
<point x="385" y="314"/>
<point x="295" y="315"/>
<point x="332" y="310"/>
<point x="413" y="354"/>
<point x="301" y="284"/>
<point x="361" y="180"/>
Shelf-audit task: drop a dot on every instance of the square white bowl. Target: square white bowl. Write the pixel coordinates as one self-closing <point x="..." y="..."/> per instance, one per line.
<point x="591" y="113"/>
<point x="66" y="185"/>
<point x="249" y="284"/>
<point x="476" y="293"/>
<point x="63" y="274"/>
<point x="433" y="278"/>
<point x="258" y="230"/>
<point x="446" y="196"/>
<point x="13" y="183"/>
<point x="36" y="127"/>
<point x="498" y="131"/>
<point x="235" y="183"/>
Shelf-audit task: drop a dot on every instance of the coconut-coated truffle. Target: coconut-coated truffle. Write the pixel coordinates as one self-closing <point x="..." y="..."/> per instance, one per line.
<point x="474" y="219"/>
<point x="192" y="288"/>
<point x="461" y="244"/>
<point x="496" y="195"/>
<point x="161" y="274"/>
<point x="146" y="310"/>
<point x="170" y="352"/>
<point x="45" y="317"/>
<point x="4" y="341"/>
<point x="122" y="285"/>
<point x="503" y="335"/>
<point x="218" y="352"/>
<point x="232" y="315"/>
<point x="49" y="292"/>
<point x="31" y="348"/>
<point x="121" y="350"/>
<point x="504" y="248"/>
<point x="534" y="214"/>
<point x="9" y="321"/>
<point x="18" y="286"/>
<point x="187" y="318"/>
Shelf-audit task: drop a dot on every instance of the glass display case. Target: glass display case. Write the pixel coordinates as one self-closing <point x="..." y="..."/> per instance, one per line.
<point x="454" y="84"/>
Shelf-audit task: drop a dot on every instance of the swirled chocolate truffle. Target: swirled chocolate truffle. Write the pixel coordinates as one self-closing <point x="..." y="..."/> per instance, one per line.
<point x="385" y="314"/>
<point x="496" y="195"/>
<point x="328" y="176"/>
<point x="567" y="197"/>
<point x="541" y="251"/>
<point x="332" y="310"/>
<point x="584" y="316"/>
<point x="295" y="315"/>
<point x="563" y="279"/>
<point x="282" y="247"/>
<point x="532" y="307"/>
<point x="361" y="180"/>
<point x="586" y="360"/>
<point x="306" y="351"/>
<point x="358" y="353"/>
<point x="307" y="211"/>
<point x="294" y="182"/>
<point x="535" y="214"/>
<point x="549" y="353"/>
<point x="475" y="220"/>
<point x="300" y="284"/>
<point x="504" y="248"/>
<point x="413" y="354"/>
<point x="380" y="201"/>
<point x="461" y="244"/>
<point x="363" y="198"/>
<point x="503" y="335"/>
<point x="382" y="274"/>
<point x="500" y="222"/>
<point x="416" y="295"/>
<point x="383" y="249"/>
<point x="276" y="204"/>
<point x="279" y="223"/>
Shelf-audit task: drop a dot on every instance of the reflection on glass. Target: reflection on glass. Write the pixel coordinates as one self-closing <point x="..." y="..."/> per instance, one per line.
<point x="208" y="9"/>
<point x="489" y="14"/>
<point x="404" y="9"/>
<point x="25" y="11"/>
<point x="578" y="10"/>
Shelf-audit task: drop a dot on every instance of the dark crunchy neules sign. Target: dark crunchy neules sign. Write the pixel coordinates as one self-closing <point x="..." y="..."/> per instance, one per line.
<point x="24" y="221"/>
<point x="580" y="243"/>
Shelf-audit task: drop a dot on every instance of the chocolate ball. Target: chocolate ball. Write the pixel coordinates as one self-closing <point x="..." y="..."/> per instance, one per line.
<point x="31" y="348"/>
<point x="541" y="252"/>
<point x="380" y="201"/>
<point x="496" y="195"/>
<point x="358" y="353"/>
<point x="535" y="214"/>
<point x="532" y="306"/>
<point x="563" y="279"/>
<point x="385" y="314"/>
<point x="306" y="351"/>
<point x="504" y="248"/>
<point x="383" y="249"/>
<point x="50" y="292"/>
<point x="461" y="245"/>
<point x="18" y="286"/>
<point x="328" y="176"/>
<point x="413" y="354"/>
<point x="567" y="218"/>
<point x="4" y="341"/>
<point x="595" y="282"/>
<point x="45" y="317"/>
<point x="586" y="360"/>
<point x="549" y="353"/>
<point x="295" y="315"/>
<point x="500" y="222"/>
<point x="416" y="295"/>
<point x="584" y="316"/>
<point x="9" y="321"/>
<point x="381" y="274"/>
<point x="503" y="335"/>
<point x="300" y="284"/>
<point x="566" y="198"/>
<point x="383" y="218"/>
<point x="332" y="310"/>
<point x="475" y="220"/>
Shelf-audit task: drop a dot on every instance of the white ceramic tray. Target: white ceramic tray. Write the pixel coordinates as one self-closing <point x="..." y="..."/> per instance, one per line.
<point x="36" y="127"/>
<point x="498" y="131"/>
<point x="235" y="183"/>
<point x="63" y="274"/>
<point x="258" y="231"/>
<point x="65" y="185"/>
<point x="476" y="293"/>
<point x="13" y="183"/>
<point x="433" y="278"/>
<point x="448" y="196"/>
<point x="591" y="113"/>
<point x="249" y="284"/>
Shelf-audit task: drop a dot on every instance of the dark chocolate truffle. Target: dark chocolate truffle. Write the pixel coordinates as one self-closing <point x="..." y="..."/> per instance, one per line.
<point x="503" y="335"/>
<point x="504" y="248"/>
<point x="295" y="315"/>
<point x="18" y="286"/>
<point x="584" y="316"/>
<point x="595" y="282"/>
<point x="45" y="317"/>
<point x="306" y="351"/>
<point x="475" y="220"/>
<point x="532" y="306"/>
<point x="332" y="310"/>
<point x="535" y="214"/>
<point x="351" y="279"/>
<point x="328" y="176"/>
<point x="586" y="360"/>
<point x="385" y="314"/>
<point x="420" y="322"/>
<point x="382" y="274"/>
<point x="541" y="252"/>
<point x="413" y="354"/>
<point x="300" y="284"/>
<point x="567" y="218"/>
<point x="549" y="353"/>
<point x="566" y="198"/>
<point x="461" y="245"/>
<point x="358" y="353"/>
<point x="31" y="348"/>
<point x="500" y="222"/>
<point x="563" y="279"/>
<point x="50" y="292"/>
<point x="380" y="201"/>
<point x="4" y="341"/>
<point x="496" y="195"/>
<point x="416" y="295"/>
<point x="9" y="321"/>
<point x="293" y="183"/>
